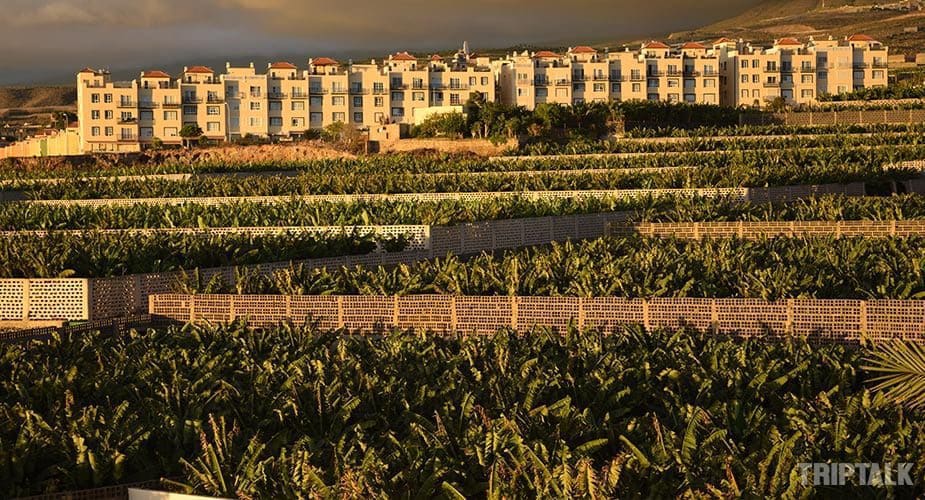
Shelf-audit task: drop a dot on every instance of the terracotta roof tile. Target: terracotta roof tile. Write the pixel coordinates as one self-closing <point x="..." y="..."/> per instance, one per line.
<point x="436" y="57"/>
<point x="860" y="38"/>
<point x="155" y="74"/>
<point x="788" y="41"/>
<point x="583" y="49"/>
<point x="723" y="40"/>
<point x="403" y="56"/>
<point x="324" y="61"/>
<point x="283" y="65"/>
<point x="655" y="44"/>
<point x="693" y="45"/>
<point x="199" y="69"/>
<point x="543" y="54"/>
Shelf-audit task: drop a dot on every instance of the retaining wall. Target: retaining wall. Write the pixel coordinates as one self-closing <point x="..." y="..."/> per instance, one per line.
<point x="768" y="229"/>
<point x="840" y="117"/>
<point x="833" y="320"/>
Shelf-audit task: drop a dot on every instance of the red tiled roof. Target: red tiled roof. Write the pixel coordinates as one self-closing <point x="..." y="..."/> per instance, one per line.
<point x="324" y="61"/>
<point x="583" y="49"/>
<point x="545" y="54"/>
<point x="155" y="74"/>
<point x="860" y="38"/>
<point x="86" y="70"/>
<point x="722" y="40"/>
<point x="403" y="56"/>
<point x="199" y="69"/>
<point x="693" y="45"/>
<point x="788" y="41"/>
<point x="283" y="65"/>
<point x="655" y="44"/>
<point x="436" y="57"/>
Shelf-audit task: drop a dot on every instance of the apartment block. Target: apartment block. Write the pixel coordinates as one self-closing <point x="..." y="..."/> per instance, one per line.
<point x="284" y="101"/>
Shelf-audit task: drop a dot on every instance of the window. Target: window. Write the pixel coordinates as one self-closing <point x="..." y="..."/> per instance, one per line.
<point x="189" y="110"/>
<point x="378" y="102"/>
<point x="255" y="106"/>
<point x="756" y="63"/>
<point x="95" y="98"/>
<point x="276" y="121"/>
<point x="744" y="63"/>
<point x="417" y="96"/>
<point x="744" y="78"/>
<point x="653" y="83"/>
<point x="315" y="101"/>
<point x="107" y="98"/>
<point x="745" y="94"/>
<point x="417" y="83"/>
<point x="542" y="92"/>
<point x="689" y="83"/>
<point x="109" y="132"/>
<point x="170" y="131"/>
<point x="126" y="133"/>
<point x="255" y="92"/>
<point x="315" y="117"/>
<point x="95" y="114"/>
<point x="170" y="115"/>
<point x="358" y="117"/>
<point x="806" y="79"/>
<point x="357" y="102"/>
<point x="95" y="131"/>
<point x="108" y="114"/>
<point x="636" y="74"/>
<point x="338" y="100"/>
<point x="213" y="127"/>
<point x="754" y="78"/>
<point x="126" y="116"/>
<point x="398" y="112"/>
<point x="379" y="117"/>
<point x="454" y="83"/>
<point x="298" y="105"/>
<point x="338" y="117"/>
<point x="378" y="87"/>
<point x="397" y="96"/>
<point x="653" y="97"/>
<point x="213" y="111"/>
<point x="147" y="115"/>
<point x="878" y="74"/>
<point x="276" y="106"/>
<point x="673" y="98"/>
<point x="615" y="87"/>
<point x="806" y="94"/>
<point x="599" y="87"/>
<point x="454" y="99"/>
<point x="709" y="83"/>
<point x="146" y="132"/>
<point x="484" y="80"/>
<point x="255" y="121"/>
<point x="580" y="86"/>
<point x="637" y="87"/>
<point x="690" y="98"/>
<point x="298" y="122"/>
<point x="672" y="83"/>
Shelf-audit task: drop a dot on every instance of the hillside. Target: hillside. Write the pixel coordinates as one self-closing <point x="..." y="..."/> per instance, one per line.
<point x="37" y="97"/>
<point x="803" y="18"/>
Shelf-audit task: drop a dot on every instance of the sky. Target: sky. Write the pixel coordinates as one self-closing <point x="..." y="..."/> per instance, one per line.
<point x="48" y="41"/>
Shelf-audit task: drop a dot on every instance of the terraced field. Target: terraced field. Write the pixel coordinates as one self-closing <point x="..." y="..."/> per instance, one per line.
<point x="545" y="326"/>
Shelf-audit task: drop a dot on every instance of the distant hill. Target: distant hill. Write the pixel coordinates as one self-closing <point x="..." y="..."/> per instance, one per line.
<point x="887" y="22"/>
<point x="37" y="97"/>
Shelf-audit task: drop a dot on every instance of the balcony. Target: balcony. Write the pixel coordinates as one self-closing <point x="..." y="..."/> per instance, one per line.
<point x="563" y="83"/>
<point x="655" y="73"/>
<point x="380" y="91"/>
<point x="786" y="70"/>
<point x="127" y="138"/>
<point x="277" y="95"/>
<point x="807" y="69"/>
<point x="578" y="78"/>
<point x="192" y="100"/>
<point x="215" y="100"/>
<point x="601" y="78"/>
<point x="127" y="121"/>
<point x="771" y="85"/>
<point x="418" y="86"/>
<point x="674" y="72"/>
<point x="540" y="83"/>
<point x="710" y="73"/>
<point x="399" y="86"/>
<point x="127" y="104"/>
<point x="860" y="65"/>
<point x="315" y="90"/>
<point x="147" y="105"/>
<point x="299" y="95"/>
<point x="339" y="90"/>
<point x="359" y="91"/>
<point x="171" y="105"/>
<point x="880" y="65"/>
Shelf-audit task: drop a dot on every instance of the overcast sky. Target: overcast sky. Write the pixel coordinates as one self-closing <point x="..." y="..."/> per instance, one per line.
<point x="50" y="40"/>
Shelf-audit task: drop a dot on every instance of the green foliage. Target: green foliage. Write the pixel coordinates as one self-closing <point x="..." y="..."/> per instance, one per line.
<point x="858" y="268"/>
<point x="190" y="131"/>
<point x="451" y="125"/>
<point x="292" y="412"/>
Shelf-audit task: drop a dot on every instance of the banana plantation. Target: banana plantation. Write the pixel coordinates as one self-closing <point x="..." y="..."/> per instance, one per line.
<point x="234" y="408"/>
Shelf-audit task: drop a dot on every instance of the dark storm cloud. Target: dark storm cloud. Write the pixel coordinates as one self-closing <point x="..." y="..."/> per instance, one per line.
<point x="42" y="39"/>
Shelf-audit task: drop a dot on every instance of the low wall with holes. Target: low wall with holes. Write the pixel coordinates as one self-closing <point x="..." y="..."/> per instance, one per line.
<point x="40" y="300"/>
<point x="768" y="229"/>
<point x="834" y="320"/>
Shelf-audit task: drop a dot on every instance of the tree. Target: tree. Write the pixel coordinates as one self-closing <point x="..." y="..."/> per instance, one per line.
<point x="189" y="132"/>
<point x="442" y="125"/>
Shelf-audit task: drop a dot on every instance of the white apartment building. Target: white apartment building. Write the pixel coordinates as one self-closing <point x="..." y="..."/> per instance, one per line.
<point x="285" y="101"/>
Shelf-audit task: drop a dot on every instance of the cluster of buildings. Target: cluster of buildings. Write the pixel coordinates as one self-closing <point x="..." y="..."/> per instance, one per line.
<point x="285" y="101"/>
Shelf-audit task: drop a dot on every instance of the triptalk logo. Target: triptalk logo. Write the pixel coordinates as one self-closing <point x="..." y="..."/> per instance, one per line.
<point x="861" y="474"/>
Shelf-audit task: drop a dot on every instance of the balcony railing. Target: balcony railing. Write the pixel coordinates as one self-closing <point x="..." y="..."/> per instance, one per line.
<point x="127" y="104"/>
<point x="674" y="72"/>
<point x="399" y="86"/>
<point x="299" y="95"/>
<point x="807" y="69"/>
<point x="771" y="85"/>
<point x="655" y="73"/>
<point x="711" y="73"/>
<point x="126" y="121"/>
<point x="578" y="78"/>
<point x="315" y="90"/>
<point x="171" y="105"/>
<point x="880" y="65"/>
<point x="563" y="83"/>
<point x="359" y="91"/>
<point x="127" y="138"/>
<point x="147" y="105"/>
<point x="192" y="100"/>
<point x="418" y="86"/>
<point x="277" y="95"/>
<point x="339" y="90"/>
<point x="601" y="78"/>
<point x="215" y="100"/>
<point x="860" y="65"/>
